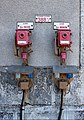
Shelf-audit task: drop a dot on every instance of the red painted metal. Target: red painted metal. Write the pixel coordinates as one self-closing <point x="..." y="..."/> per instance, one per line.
<point x="23" y="43"/>
<point x="63" y="41"/>
<point x="22" y="38"/>
<point x="64" y="38"/>
<point x="24" y="56"/>
<point x="63" y="56"/>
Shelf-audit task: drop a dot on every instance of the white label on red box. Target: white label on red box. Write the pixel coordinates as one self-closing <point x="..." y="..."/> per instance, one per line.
<point x="25" y="25"/>
<point x="61" y="25"/>
<point x="43" y="19"/>
<point x="22" y="42"/>
<point x="64" y="42"/>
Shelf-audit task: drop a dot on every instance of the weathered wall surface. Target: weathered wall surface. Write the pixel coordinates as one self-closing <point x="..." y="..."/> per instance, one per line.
<point x="44" y="96"/>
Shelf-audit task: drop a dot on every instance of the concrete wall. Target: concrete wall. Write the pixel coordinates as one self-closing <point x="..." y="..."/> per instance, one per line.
<point x="43" y="33"/>
<point x="44" y="96"/>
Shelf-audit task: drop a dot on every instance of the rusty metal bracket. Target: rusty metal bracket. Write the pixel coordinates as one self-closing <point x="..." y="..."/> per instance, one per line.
<point x="61" y="80"/>
<point x="24" y="76"/>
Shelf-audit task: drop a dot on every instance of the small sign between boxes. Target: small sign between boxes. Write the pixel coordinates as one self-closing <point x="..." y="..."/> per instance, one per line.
<point x="43" y="19"/>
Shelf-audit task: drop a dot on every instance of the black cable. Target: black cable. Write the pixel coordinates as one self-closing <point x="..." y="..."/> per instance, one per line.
<point x="21" y="105"/>
<point x="60" y="112"/>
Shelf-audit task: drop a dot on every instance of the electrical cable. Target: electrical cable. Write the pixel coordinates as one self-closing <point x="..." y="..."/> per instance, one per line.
<point x="21" y="105"/>
<point x="60" y="112"/>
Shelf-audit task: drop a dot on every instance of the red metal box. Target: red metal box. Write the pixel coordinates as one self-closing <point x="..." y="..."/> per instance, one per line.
<point x="64" y="38"/>
<point x="22" y="38"/>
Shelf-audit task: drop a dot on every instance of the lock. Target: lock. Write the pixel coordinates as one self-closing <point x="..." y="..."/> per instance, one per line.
<point x="23" y="44"/>
<point x="63" y="56"/>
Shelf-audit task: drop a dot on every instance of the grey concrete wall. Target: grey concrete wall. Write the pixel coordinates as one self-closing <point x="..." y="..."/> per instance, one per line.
<point x="44" y="96"/>
<point x="43" y="35"/>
